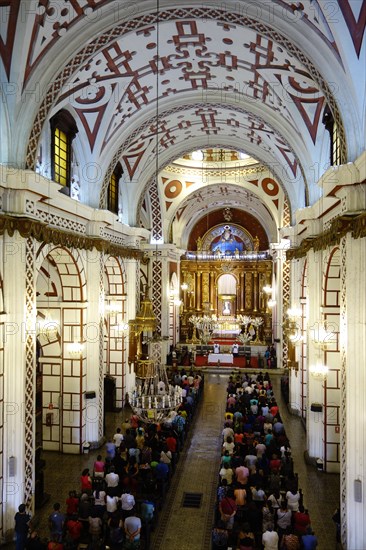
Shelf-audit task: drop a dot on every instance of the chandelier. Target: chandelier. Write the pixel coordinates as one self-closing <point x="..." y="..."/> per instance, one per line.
<point x="245" y="337"/>
<point x="153" y="399"/>
<point x="323" y="335"/>
<point x="206" y="326"/>
<point x="48" y="327"/>
<point x="319" y="371"/>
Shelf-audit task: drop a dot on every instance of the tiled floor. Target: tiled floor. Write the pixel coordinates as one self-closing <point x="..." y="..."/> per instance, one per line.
<point x="184" y="528"/>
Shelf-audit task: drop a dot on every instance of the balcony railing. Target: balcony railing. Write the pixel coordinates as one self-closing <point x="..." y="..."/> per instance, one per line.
<point x="246" y="256"/>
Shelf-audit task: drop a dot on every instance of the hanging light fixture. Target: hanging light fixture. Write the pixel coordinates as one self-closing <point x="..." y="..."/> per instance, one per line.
<point x="152" y="399"/>
<point x="75" y="350"/>
<point x="319" y="371"/>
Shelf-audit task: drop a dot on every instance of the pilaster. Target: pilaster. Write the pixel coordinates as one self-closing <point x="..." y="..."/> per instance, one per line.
<point x="94" y="340"/>
<point x="353" y="400"/>
<point x="19" y="377"/>
<point x="314" y="423"/>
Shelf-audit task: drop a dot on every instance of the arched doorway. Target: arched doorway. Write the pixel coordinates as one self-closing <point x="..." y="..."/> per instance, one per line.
<point x="115" y="335"/>
<point x="61" y="375"/>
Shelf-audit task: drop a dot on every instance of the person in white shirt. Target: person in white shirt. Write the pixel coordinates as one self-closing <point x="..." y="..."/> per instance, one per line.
<point x="118" y="438"/>
<point x="216" y="347"/>
<point x="270" y="539"/>
<point x="227" y="432"/>
<point x="112" y="480"/>
<point x="127" y="502"/>
<point x="293" y="500"/>
<point x="111" y="504"/>
<point x="226" y="473"/>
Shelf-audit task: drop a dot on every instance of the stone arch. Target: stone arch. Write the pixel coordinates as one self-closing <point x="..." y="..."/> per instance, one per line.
<point x="332" y="384"/>
<point x="60" y="294"/>
<point x="115" y="336"/>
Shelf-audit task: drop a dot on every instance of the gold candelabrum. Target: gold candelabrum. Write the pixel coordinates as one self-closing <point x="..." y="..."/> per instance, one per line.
<point x="206" y="325"/>
<point x="246" y="321"/>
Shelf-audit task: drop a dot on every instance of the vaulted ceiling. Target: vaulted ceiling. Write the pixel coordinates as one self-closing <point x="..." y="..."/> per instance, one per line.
<point x="151" y="80"/>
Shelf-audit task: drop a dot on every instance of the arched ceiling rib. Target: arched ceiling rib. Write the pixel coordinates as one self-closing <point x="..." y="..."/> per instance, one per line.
<point x="212" y="197"/>
<point x="103" y="62"/>
<point x="205" y="49"/>
<point x="207" y="125"/>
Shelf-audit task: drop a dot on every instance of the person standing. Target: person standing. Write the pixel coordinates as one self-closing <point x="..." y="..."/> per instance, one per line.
<point x="132" y="527"/>
<point x="117" y="438"/>
<point x="270" y="539"/>
<point x="309" y="541"/>
<point x="22" y="519"/>
<point x="56" y="523"/>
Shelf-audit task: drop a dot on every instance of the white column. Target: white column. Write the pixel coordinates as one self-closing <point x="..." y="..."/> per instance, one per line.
<point x="354" y="438"/>
<point x="93" y="406"/>
<point x="133" y="288"/>
<point x="14" y="276"/>
<point x="295" y="375"/>
<point x="314" y="423"/>
<point x="279" y="256"/>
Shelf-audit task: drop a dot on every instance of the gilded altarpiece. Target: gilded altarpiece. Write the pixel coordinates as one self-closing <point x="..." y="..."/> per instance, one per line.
<point x="201" y="296"/>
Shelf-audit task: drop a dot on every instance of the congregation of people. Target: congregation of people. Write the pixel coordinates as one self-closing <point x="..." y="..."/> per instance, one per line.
<point x="120" y="495"/>
<point x="259" y="503"/>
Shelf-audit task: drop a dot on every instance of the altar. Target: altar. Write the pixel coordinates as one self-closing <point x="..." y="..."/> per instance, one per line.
<point x="222" y="357"/>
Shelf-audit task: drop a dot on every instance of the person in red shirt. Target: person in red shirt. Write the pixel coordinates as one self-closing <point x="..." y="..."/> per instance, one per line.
<point x="171" y="443"/>
<point x="74" y="528"/>
<point x="301" y="521"/>
<point x="72" y="504"/>
<point x="275" y="463"/>
<point x="86" y="482"/>
<point x="228" y="509"/>
<point x="239" y="437"/>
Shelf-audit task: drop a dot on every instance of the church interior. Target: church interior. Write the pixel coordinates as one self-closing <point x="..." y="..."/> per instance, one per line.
<point x="182" y="186"/>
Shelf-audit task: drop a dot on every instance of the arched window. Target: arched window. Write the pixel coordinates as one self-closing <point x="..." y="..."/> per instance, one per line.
<point x="63" y="131"/>
<point x="335" y="144"/>
<point x="113" y="189"/>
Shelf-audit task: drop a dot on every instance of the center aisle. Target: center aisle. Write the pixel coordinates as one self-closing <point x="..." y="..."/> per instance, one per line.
<point x="197" y="472"/>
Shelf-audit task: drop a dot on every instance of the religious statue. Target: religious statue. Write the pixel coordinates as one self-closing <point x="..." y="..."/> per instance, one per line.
<point x="256" y="244"/>
<point x="199" y="243"/>
<point x="227" y="234"/>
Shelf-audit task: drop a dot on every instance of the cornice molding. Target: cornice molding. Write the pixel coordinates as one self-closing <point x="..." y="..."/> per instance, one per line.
<point x="339" y="228"/>
<point x="51" y="235"/>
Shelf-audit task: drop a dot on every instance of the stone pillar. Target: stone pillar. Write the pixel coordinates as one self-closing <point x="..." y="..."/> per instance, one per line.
<point x="94" y="341"/>
<point x="19" y="388"/>
<point x="278" y="294"/>
<point x="314" y="423"/>
<point x="353" y="403"/>
<point x="133" y="301"/>
<point x="295" y="345"/>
